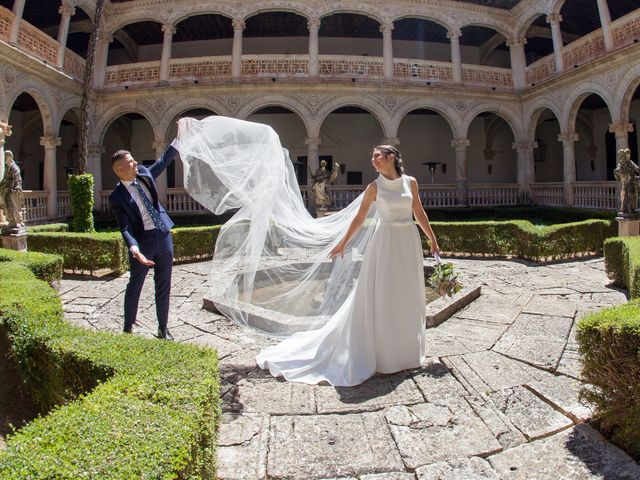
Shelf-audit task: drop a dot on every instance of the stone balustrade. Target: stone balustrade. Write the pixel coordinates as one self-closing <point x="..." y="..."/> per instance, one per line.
<point x="540" y="70"/>
<point x="584" y="50"/>
<point x="6" y="20"/>
<point x="597" y="195"/>
<point x="422" y="70"/>
<point x="179" y="201"/>
<point x="64" y="204"/>
<point x="202" y="67"/>
<point x="74" y="64"/>
<point x="548" y="194"/>
<point x="626" y="30"/>
<point x="35" y="206"/>
<point x="490" y="195"/>
<point x="275" y="65"/>
<point x="482" y="75"/>
<point x="438" y="195"/>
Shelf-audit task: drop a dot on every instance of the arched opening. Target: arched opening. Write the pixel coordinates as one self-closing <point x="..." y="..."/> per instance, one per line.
<point x="292" y="132"/>
<point x="425" y="142"/>
<point x="42" y="15"/>
<point x="619" y="8"/>
<point x="25" y="119"/>
<point x="130" y="131"/>
<point x="68" y="151"/>
<point x="202" y="36"/>
<point x="491" y="157"/>
<point x="484" y="46"/>
<point x="548" y="155"/>
<point x="420" y="39"/>
<point x="595" y="150"/>
<point x="348" y="135"/>
<point x="540" y="40"/>
<point x="579" y="18"/>
<point x="174" y="172"/>
<point x="350" y="34"/>
<point x="80" y="28"/>
<point x="136" y="42"/>
<point x="634" y="116"/>
<point x="284" y="32"/>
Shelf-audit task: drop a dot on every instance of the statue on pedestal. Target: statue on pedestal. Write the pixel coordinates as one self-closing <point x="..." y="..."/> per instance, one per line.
<point x="11" y="194"/>
<point x="321" y="185"/>
<point x="626" y="173"/>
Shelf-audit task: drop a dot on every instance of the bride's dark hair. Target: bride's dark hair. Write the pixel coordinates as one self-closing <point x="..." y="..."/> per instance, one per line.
<point x="397" y="156"/>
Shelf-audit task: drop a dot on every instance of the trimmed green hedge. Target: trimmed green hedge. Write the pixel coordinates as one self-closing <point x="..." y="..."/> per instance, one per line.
<point x="522" y="239"/>
<point x="194" y="243"/>
<point x="121" y="406"/>
<point x="622" y="262"/>
<point x="81" y="195"/>
<point x="48" y="227"/>
<point x="610" y="346"/>
<point x="44" y="266"/>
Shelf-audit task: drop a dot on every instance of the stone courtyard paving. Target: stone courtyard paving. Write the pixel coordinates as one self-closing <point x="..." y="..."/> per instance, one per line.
<point x="497" y="399"/>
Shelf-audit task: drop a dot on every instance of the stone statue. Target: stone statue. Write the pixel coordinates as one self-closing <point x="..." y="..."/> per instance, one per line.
<point x="11" y="193"/>
<point x="626" y="174"/>
<point x="321" y="182"/>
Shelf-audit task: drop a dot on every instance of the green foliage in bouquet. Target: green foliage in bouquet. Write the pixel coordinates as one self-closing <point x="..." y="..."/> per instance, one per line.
<point x="444" y="280"/>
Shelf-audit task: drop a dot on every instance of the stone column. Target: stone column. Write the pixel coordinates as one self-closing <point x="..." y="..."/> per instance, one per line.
<point x="18" y="8"/>
<point x="456" y="58"/>
<point x="314" y="58"/>
<point x="161" y="182"/>
<point x="236" y="50"/>
<point x="50" y="143"/>
<point x="393" y="141"/>
<point x="5" y="131"/>
<point x="526" y="171"/>
<point x="460" y="145"/>
<point x="569" y="164"/>
<point x="605" y="22"/>
<point x="67" y="11"/>
<point x="556" y="34"/>
<point x="102" y="55"/>
<point x="387" y="50"/>
<point x="313" y="144"/>
<point x="518" y="61"/>
<point x="168" y="30"/>
<point x="622" y="131"/>
<point x="94" y="166"/>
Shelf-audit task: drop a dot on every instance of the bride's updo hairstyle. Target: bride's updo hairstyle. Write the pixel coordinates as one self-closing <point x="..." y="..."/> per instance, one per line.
<point x="389" y="150"/>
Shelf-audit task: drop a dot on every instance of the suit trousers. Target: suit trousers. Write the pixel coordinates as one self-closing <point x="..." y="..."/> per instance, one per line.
<point x="157" y="246"/>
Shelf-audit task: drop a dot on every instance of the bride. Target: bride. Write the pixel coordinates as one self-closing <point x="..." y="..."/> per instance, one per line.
<point x="365" y="316"/>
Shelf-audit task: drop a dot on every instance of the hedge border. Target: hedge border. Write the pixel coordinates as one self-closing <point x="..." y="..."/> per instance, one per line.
<point x="622" y="263"/>
<point x="120" y="406"/>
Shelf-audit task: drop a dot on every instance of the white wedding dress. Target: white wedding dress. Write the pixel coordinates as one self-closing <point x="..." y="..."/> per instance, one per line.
<point x="380" y="326"/>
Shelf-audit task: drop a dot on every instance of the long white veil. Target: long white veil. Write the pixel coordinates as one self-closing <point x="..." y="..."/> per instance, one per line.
<point x="271" y="269"/>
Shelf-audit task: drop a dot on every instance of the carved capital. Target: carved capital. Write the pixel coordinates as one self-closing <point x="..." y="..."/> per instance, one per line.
<point x="516" y="42"/>
<point x="393" y="141"/>
<point x="524" y="146"/>
<point x="554" y="18"/>
<point x="621" y="129"/>
<point x="460" y="144"/>
<point x="568" y="137"/>
<point x="386" y="27"/>
<point x="314" y="23"/>
<point x="159" y="145"/>
<point x="67" y="9"/>
<point x="50" y="142"/>
<point x="95" y="149"/>
<point x="238" y="24"/>
<point x="168" y="29"/>
<point x="455" y="33"/>
<point x="312" y="142"/>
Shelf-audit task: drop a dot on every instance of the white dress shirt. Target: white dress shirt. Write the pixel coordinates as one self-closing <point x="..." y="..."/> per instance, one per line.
<point x="146" y="218"/>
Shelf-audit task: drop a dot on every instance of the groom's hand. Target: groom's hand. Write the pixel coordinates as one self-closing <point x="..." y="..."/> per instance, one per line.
<point x="143" y="260"/>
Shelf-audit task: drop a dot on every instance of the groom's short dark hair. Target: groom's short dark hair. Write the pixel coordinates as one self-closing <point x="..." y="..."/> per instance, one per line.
<point x="120" y="154"/>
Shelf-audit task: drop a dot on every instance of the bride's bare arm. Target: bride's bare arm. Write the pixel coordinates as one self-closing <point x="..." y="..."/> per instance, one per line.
<point x="358" y="220"/>
<point x="421" y="217"/>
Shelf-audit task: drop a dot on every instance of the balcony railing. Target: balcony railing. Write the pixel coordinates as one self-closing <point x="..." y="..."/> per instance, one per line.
<point x="490" y="195"/>
<point x="35" y="206"/>
<point x="548" y="194"/>
<point x="64" y="204"/>
<point x="597" y="195"/>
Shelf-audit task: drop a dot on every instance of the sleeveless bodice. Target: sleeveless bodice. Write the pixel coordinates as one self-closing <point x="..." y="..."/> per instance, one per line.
<point x="394" y="199"/>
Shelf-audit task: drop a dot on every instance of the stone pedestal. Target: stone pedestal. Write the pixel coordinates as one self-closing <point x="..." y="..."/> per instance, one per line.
<point x="321" y="212"/>
<point x="15" y="239"/>
<point x="628" y="226"/>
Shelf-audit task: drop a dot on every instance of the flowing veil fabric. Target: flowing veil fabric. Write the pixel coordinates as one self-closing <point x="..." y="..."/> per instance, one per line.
<point x="272" y="254"/>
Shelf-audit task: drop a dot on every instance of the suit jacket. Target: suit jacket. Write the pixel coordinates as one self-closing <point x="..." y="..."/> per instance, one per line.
<point x="125" y="207"/>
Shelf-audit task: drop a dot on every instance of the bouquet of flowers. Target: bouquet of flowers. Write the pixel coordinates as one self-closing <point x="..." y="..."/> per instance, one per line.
<point x="443" y="279"/>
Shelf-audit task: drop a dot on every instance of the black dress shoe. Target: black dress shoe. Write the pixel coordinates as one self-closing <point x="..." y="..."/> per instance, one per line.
<point x="165" y="334"/>
<point x="127" y="329"/>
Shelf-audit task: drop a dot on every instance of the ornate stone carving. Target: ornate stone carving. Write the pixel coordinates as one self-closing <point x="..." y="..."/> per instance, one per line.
<point x="160" y="105"/>
<point x="524" y="146"/>
<point x="5" y="131"/>
<point x="621" y="129"/>
<point x="312" y="99"/>
<point x="626" y="174"/>
<point x="568" y="137"/>
<point x="461" y="105"/>
<point x="460" y="144"/>
<point x="238" y="24"/>
<point x="49" y="142"/>
<point x="233" y="101"/>
<point x="554" y="18"/>
<point x="67" y="9"/>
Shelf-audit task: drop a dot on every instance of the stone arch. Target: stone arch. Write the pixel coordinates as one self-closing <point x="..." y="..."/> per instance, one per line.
<point x="295" y="106"/>
<point x="372" y="107"/>
<point x="124" y="20"/>
<point x="434" y="17"/>
<point x="523" y="23"/>
<point x="450" y="115"/>
<point x="533" y="112"/>
<point x="267" y="7"/>
<point x="629" y="83"/>
<point x="574" y="102"/>
<point x="505" y="113"/>
<point x="364" y="10"/>
<point x="67" y="104"/>
<point x="502" y="28"/>
<point x="182" y="16"/>
<point x="87" y="7"/>
<point x="556" y="6"/>
<point x="41" y="94"/>
<point x="110" y="115"/>
<point x="208" y="103"/>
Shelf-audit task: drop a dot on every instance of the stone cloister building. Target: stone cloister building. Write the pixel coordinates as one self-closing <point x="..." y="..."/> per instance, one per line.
<point x="492" y="102"/>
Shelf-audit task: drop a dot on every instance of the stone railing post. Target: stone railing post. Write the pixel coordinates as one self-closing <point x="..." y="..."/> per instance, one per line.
<point x="236" y="50"/>
<point x="5" y="131"/>
<point x="94" y="166"/>
<point x="456" y="57"/>
<point x="518" y="61"/>
<point x="556" y="34"/>
<point x="50" y="144"/>
<point x="387" y="50"/>
<point x="526" y="171"/>
<point x="568" y="140"/>
<point x="460" y="145"/>
<point x="18" y="9"/>
<point x="168" y="29"/>
<point x="314" y="57"/>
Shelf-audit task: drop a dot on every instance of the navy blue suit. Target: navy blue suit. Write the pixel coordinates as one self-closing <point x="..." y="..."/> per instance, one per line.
<point x="155" y="244"/>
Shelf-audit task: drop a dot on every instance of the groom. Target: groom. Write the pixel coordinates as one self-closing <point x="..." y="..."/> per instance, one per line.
<point x="146" y="229"/>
